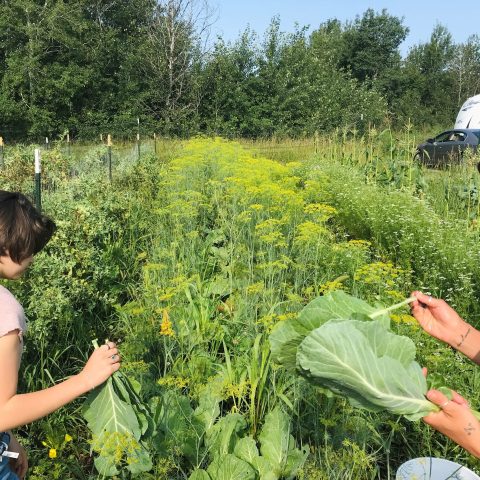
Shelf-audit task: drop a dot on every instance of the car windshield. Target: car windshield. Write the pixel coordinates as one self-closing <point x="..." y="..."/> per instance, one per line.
<point x="477" y="134"/>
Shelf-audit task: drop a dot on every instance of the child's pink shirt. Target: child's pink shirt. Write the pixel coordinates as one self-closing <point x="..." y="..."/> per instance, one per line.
<point x="12" y="316"/>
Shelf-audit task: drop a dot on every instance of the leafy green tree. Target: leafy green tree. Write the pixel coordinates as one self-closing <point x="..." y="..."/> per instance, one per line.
<point x="466" y="68"/>
<point x="229" y="84"/>
<point x="428" y="69"/>
<point x="371" y="45"/>
<point x="66" y="63"/>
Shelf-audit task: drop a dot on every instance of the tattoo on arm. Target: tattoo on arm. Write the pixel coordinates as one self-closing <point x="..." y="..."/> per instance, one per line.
<point x="469" y="429"/>
<point x="463" y="337"/>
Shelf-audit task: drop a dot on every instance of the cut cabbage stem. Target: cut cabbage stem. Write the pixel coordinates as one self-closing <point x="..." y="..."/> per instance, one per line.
<point x="393" y="307"/>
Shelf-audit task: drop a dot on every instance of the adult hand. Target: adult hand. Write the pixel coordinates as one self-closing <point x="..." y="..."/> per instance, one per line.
<point x="455" y="420"/>
<point x="19" y="465"/>
<point x="438" y="319"/>
<point x="103" y="362"/>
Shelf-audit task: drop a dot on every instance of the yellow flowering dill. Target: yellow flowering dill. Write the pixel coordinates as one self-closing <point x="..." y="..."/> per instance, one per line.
<point x="119" y="445"/>
<point x="287" y="316"/>
<point x="309" y="232"/>
<point x="267" y="321"/>
<point x="395" y="294"/>
<point x="333" y="285"/>
<point x="360" y="243"/>
<point x="167" y="294"/>
<point x="255" y="288"/>
<point x="236" y="390"/>
<point x="138" y="366"/>
<point x="320" y="211"/>
<point x="294" y="297"/>
<point x="353" y="245"/>
<point x="268" y="225"/>
<point x="173" y="381"/>
<point x="378" y="272"/>
<point x="404" y="318"/>
<point x="132" y="308"/>
<point x="256" y="206"/>
<point x="274" y="238"/>
<point x="244" y="217"/>
<point x="307" y="292"/>
<point x="281" y="264"/>
<point x="166" y="325"/>
<point x="192" y="235"/>
<point x="154" y="266"/>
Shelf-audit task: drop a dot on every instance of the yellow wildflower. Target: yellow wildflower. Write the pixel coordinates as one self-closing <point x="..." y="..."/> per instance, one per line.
<point x="52" y="453"/>
<point x="166" y="325"/>
<point x="310" y="232"/>
<point x="68" y="438"/>
<point x="333" y="285"/>
<point x="255" y="288"/>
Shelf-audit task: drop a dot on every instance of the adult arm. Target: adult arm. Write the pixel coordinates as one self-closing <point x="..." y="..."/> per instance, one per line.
<point x="441" y="321"/>
<point x="455" y="420"/>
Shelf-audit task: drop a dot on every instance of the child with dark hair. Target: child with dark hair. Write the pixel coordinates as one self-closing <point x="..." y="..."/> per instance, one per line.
<point x="23" y="233"/>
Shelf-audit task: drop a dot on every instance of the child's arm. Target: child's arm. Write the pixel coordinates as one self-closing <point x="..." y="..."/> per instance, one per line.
<point x="16" y="410"/>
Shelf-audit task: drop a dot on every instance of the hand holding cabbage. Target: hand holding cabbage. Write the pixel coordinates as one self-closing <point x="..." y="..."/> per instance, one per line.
<point x="344" y="344"/>
<point x="455" y="419"/>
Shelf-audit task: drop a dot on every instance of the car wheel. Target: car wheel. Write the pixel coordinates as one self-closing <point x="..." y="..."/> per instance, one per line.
<point x="419" y="157"/>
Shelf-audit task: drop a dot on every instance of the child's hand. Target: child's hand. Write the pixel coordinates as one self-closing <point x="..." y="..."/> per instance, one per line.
<point x="438" y="319"/>
<point x="103" y="362"/>
<point x="19" y="465"/>
<point x="455" y="420"/>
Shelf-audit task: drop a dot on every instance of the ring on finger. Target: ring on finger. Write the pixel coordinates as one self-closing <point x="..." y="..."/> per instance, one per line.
<point x="113" y="357"/>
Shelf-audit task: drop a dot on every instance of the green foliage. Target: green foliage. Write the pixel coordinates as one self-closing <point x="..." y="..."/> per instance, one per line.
<point x="191" y="261"/>
<point x="287" y="335"/>
<point x="91" y="68"/>
<point x="353" y="357"/>
<point x="371" y="44"/>
<point x="120" y="425"/>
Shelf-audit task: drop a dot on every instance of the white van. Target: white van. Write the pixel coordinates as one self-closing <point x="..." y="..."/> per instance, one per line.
<point x="469" y="115"/>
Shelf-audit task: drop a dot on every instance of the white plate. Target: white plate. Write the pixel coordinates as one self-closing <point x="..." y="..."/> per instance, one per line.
<point x="428" y="468"/>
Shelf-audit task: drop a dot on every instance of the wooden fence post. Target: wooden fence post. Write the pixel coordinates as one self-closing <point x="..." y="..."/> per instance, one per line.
<point x="109" y="147"/>
<point x="1" y="152"/>
<point x="68" y="143"/>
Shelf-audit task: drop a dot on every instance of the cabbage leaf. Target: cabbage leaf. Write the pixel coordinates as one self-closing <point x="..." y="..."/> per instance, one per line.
<point x="367" y="363"/>
<point x="341" y="343"/>
<point x="287" y="335"/>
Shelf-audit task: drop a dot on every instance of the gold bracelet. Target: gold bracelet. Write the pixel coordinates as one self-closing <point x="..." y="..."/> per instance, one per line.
<point x="463" y="337"/>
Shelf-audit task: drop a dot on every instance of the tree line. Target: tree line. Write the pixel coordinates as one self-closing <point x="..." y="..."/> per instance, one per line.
<point x="89" y="66"/>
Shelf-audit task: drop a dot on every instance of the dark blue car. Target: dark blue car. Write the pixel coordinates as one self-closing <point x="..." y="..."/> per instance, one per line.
<point x="447" y="148"/>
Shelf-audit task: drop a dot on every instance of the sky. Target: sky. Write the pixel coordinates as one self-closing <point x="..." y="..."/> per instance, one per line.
<point x="420" y="16"/>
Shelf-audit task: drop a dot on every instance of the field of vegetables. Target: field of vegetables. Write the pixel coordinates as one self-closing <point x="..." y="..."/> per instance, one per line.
<point x="193" y="259"/>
